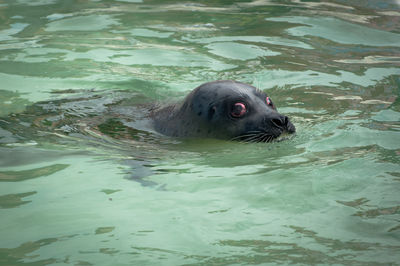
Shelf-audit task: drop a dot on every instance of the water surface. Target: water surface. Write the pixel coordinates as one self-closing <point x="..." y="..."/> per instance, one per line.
<point x="117" y="194"/>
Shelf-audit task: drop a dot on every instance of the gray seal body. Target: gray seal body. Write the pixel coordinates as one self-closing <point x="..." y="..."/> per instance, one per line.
<point x="224" y="110"/>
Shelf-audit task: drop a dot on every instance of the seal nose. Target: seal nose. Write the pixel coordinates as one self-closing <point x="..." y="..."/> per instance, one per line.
<point x="280" y="121"/>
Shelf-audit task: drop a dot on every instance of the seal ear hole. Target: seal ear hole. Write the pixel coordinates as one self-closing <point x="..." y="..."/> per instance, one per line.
<point x="211" y="112"/>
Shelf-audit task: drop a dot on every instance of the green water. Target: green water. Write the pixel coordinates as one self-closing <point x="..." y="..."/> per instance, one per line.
<point x="330" y="195"/>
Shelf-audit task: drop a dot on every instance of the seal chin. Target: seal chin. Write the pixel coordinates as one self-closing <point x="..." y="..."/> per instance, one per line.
<point x="285" y="136"/>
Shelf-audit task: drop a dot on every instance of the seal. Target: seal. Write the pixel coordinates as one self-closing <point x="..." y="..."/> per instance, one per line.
<point x="223" y="109"/>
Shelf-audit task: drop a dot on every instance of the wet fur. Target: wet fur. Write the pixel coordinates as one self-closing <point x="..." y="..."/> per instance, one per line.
<point x="204" y="113"/>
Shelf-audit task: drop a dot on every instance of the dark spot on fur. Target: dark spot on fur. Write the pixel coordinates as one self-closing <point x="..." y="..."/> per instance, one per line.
<point x="211" y="112"/>
<point x="199" y="113"/>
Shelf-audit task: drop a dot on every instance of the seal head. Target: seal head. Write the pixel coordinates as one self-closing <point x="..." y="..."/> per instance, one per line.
<point x="224" y="110"/>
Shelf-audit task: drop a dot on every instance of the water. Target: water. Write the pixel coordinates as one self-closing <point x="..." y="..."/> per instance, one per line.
<point x="73" y="195"/>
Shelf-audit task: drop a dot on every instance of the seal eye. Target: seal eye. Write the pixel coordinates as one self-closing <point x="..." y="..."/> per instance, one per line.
<point x="238" y="110"/>
<point x="269" y="102"/>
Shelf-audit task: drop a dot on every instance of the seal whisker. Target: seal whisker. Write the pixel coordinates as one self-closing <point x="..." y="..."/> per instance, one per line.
<point x="250" y="138"/>
<point x="256" y="138"/>
<point x="249" y="134"/>
<point x="242" y="137"/>
<point x="260" y="137"/>
<point x="265" y="138"/>
<point x="254" y="135"/>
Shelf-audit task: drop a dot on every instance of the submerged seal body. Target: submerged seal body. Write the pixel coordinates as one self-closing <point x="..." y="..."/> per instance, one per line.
<point x="224" y="110"/>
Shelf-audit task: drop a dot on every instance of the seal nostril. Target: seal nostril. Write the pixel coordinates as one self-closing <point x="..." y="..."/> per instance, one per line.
<point x="277" y="122"/>
<point x="286" y="119"/>
<point x="281" y="121"/>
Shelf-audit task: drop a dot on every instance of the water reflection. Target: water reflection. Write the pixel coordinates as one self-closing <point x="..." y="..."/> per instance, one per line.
<point x="332" y="29"/>
<point x="14" y="200"/>
<point x="85" y="181"/>
<point x="16" y="256"/>
<point x="16" y="176"/>
<point x="325" y="250"/>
